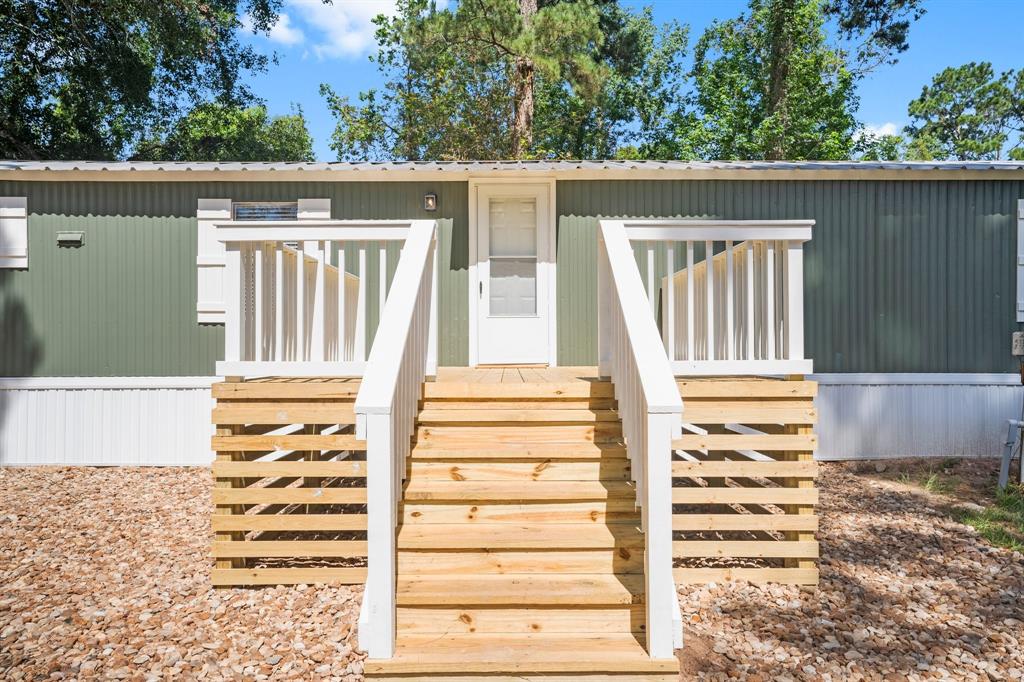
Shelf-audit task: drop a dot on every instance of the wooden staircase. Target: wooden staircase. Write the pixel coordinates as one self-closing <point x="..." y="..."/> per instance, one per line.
<point x="519" y="554"/>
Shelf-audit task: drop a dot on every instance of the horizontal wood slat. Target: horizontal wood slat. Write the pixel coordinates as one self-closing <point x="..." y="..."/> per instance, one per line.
<point x="785" y="576"/>
<point x="744" y="496"/>
<point x="509" y="416"/>
<point x="745" y="549"/>
<point x="290" y="548"/>
<point x="695" y="412"/>
<point x="289" y="495"/>
<point x="287" y="442"/>
<point x="224" y="577"/>
<point x="720" y="387"/>
<point x="745" y="468"/>
<point x="298" y="468"/>
<point x="284" y="413"/>
<point x="303" y="389"/>
<point x="326" y="522"/>
<point x="502" y="391"/>
<point x="763" y="443"/>
<point x="749" y="522"/>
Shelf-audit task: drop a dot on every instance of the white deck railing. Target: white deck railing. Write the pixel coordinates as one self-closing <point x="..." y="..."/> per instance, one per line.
<point x="386" y="410"/>
<point x="283" y="320"/>
<point x="630" y="352"/>
<point x="747" y="317"/>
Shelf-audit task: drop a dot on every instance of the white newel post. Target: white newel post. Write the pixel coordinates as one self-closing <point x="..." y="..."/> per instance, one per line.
<point x="377" y="637"/>
<point x="659" y="582"/>
<point x="795" y="300"/>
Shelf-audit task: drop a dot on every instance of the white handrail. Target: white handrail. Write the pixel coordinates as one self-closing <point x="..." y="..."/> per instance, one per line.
<point x="631" y="353"/>
<point x="386" y="409"/>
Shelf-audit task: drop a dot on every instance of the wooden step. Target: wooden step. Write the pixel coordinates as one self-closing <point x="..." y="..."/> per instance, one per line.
<point x="502" y="415"/>
<point x="462" y="562"/>
<point x="480" y="391"/>
<point x="516" y="490"/>
<point x="414" y="620"/>
<point x="562" y="653"/>
<point x="521" y="404"/>
<point x="544" y="589"/>
<point x="611" y="510"/>
<point x="520" y="451"/>
<point x="520" y="434"/>
<point x="555" y="536"/>
<point x="544" y="470"/>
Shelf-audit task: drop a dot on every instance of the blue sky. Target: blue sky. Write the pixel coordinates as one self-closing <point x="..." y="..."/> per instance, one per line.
<point x="317" y="43"/>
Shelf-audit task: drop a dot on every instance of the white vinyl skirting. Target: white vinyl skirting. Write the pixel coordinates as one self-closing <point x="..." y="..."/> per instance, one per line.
<point x="165" y="421"/>
<point x="869" y="416"/>
<point x="122" y="421"/>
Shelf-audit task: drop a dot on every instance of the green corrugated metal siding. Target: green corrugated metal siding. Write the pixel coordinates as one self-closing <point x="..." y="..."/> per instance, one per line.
<point x="904" y="276"/>
<point x="124" y="304"/>
<point x="907" y="276"/>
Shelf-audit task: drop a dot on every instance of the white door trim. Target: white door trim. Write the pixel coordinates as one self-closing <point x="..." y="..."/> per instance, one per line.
<point x="474" y="185"/>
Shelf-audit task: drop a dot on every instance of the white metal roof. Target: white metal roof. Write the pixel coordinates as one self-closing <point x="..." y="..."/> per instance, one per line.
<point x="491" y="166"/>
<point x="170" y="171"/>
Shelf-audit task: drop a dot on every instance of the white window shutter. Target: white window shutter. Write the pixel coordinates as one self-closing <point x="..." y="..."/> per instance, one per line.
<point x="210" y="260"/>
<point x="13" y="232"/>
<point x="314" y="209"/>
<point x="1020" y="260"/>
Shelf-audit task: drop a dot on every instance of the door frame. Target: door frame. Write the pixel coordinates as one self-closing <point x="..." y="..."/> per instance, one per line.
<point x="474" y="300"/>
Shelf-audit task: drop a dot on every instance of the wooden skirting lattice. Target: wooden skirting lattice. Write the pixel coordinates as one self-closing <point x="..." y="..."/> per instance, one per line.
<point x="289" y="483"/>
<point x="743" y="481"/>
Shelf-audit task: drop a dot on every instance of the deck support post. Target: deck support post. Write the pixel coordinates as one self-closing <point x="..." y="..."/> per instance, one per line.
<point x="659" y="583"/>
<point x="803" y="509"/>
<point x="377" y="632"/>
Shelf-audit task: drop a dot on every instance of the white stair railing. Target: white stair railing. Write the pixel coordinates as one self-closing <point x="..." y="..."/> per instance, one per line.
<point x="746" y="317"/>
<point x="386" y="407"/>
<point x="283" y="320"/>
<point x="630" y="352"/>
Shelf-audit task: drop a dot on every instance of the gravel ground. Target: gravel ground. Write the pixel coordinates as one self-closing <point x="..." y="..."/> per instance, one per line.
<point x="103" y="574"/>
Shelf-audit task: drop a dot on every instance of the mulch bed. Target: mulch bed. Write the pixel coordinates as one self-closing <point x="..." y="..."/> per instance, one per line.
<point x="103" y="574"/>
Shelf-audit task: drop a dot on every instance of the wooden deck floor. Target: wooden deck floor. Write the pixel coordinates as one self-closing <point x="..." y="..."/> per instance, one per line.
<point x="516" y="375"/>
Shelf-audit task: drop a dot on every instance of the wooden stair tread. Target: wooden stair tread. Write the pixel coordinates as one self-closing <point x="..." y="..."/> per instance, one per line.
<point x="523" y="653"/>
<point x="581" y="450"/>
<point x="555" y="536"/>
<point x="516" y="490"/>
<point x="530" y="390"/>
<point x="531" y="589"/>
<point x="499" y="414"/>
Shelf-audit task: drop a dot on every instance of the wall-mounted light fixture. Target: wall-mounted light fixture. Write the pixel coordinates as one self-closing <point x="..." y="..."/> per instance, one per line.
<point x="430" y="202"/>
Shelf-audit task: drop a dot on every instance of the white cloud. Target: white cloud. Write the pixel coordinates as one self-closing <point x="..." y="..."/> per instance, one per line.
<point x="887" y="128"/>
<point x="342" y="29"/>
<point x="285" y="32"/>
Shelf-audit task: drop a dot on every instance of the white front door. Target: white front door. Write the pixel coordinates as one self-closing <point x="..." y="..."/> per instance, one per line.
<point x="514" y="269"/>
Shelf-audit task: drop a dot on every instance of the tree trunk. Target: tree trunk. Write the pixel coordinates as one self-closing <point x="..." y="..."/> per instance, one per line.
<point x="522" y="122"/>
<point x="780" y="51"/>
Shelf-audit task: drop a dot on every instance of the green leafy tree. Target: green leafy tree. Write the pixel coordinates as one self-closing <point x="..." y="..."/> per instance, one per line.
<point x="888" y="147"/>
<point x="769" y="86"/>
<point x="86" y="79"/>
<point x="508" y="79"/>
<point x="878" y="29"/>
<point x="968" y="112"/>
<point x="214" y="132"/>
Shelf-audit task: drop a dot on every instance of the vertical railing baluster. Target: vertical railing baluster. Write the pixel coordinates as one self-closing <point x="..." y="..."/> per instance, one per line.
<point x="300" y="302"/>
<point x="360" y="334"/>
<point x="317" y="324"/>
<point x="279" y="307"/>
<point x="670" y="305"/>
<point x="382" y="281"/>
<point x="730" y="329"/>
<point x="769" y="323"/>
<point x="233" y="302"/>
<point x="691" y="280"/>
<point x="750" y="300"/>
<point x="258" y="293"/>
<point x="342" y="281"/>
<point x="650" y="280"/>
<point x="709" y="279"/>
